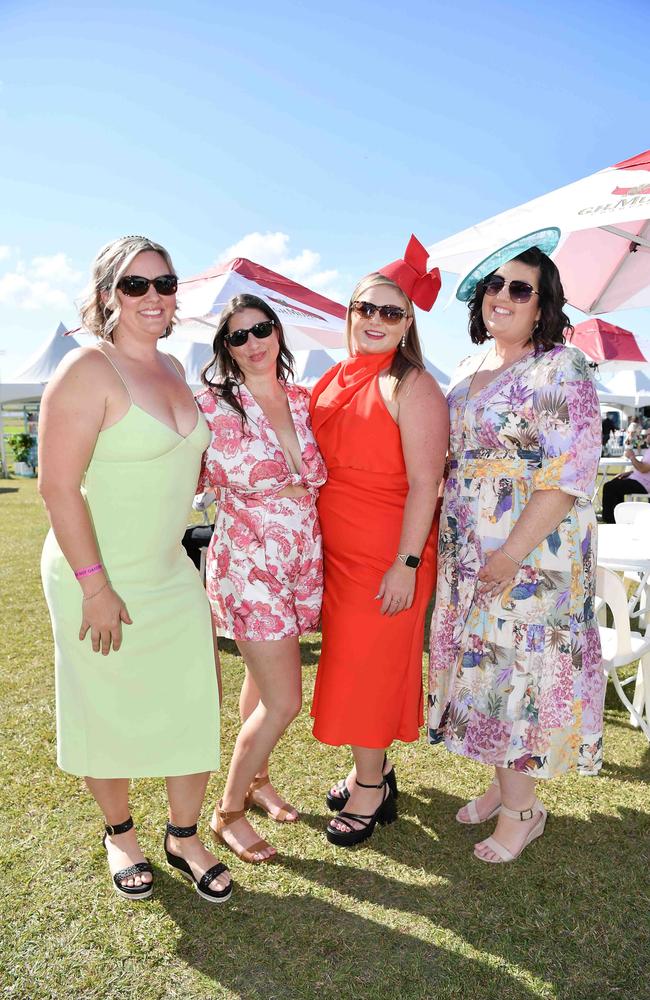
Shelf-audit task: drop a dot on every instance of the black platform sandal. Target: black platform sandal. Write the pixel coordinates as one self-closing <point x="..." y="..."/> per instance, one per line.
<point x="385" y="813"/>
<point x="143" y="891"/>
<point x="201" y="885"/>
<point x="336" y="802"/>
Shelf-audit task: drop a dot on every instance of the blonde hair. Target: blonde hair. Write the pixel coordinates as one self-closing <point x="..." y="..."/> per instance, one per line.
<point x="100" y="306"/>
<point x="410" y="355"/>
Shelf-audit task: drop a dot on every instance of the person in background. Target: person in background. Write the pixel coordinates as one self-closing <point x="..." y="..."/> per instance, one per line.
<point x="137" y="690"/>
<point x="516" y="680"/>
<point x="264" y="571"/>
<point x="381" y="423"/>
<point x="637" y="480"/>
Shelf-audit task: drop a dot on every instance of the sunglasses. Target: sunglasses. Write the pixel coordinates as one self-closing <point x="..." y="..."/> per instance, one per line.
<point x="389" y="314"/>
<point x="519" y="291"/>
<point x="239" y="337"/>
<point x="136" y="287"/>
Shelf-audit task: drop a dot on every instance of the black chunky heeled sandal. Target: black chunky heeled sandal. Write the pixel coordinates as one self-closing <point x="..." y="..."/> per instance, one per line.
<point x="202" y="885"/>
<point x="385" y="813"/>
<point x="143" y="891"/>
<point x="336" y="802"/>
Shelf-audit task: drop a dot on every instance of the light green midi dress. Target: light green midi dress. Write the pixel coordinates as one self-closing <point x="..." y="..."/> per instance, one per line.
<point x="152" y="708"/>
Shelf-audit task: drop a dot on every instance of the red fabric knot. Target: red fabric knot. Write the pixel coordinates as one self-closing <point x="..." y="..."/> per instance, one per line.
<point x="410" y="274"/>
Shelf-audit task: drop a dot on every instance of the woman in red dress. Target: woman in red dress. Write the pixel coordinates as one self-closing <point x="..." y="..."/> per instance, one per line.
<point x="381" y="423"/>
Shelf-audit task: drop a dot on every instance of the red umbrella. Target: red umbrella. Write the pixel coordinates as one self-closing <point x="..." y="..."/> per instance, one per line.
<point x="611" y="347"/>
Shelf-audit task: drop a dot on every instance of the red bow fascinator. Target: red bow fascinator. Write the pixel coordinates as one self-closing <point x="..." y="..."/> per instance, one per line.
<point x="411" y="275"/>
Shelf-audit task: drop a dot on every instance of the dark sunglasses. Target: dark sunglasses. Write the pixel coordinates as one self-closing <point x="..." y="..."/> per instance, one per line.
<point x="389" y="314"/>
<point x="136" y="287"/>
<point x="239" y="337"/>
<point x="519" y="291"/>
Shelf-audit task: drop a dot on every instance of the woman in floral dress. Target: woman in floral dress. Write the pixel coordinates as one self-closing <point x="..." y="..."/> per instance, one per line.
<point x="264" y="573"/>
<point x="515" y="673"/>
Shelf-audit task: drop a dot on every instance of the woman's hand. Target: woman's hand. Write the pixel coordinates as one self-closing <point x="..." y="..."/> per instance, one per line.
<point x="103" y="613"/>
<point x="496" y="573"/>
<point x="396" y="589"/>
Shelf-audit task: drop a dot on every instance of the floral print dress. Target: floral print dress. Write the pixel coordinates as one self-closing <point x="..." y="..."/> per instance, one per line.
<point x="264" y="571"/>
<point x="516" y="680"/>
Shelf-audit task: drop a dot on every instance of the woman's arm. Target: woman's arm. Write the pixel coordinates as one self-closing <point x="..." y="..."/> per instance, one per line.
<point x="72" y="413"/>
<point x="539" y="518"/>
<point x="638" y="465"/>
<point x="423" y="421"/>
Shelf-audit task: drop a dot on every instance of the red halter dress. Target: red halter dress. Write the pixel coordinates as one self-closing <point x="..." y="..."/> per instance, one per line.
<point x="369" y="682"/>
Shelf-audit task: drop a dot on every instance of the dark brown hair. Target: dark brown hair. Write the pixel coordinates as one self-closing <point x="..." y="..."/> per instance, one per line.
<point x="553" y="323"/>
<point x="222" y="374"/>
<point x="410" y="355"/>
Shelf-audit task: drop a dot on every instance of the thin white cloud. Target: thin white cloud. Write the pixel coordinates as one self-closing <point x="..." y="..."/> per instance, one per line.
<point x="5" y="252"/>
<point x="40" y="283"/>
<point x="272" y="250"/>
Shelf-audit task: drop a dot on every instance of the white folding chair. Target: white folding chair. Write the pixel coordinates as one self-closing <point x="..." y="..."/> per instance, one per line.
<point x="621" y="647"/>
<point x="629" y="512"/>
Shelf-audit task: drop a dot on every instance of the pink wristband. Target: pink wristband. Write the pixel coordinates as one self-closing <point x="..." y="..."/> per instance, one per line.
<point x="88" y="571"/>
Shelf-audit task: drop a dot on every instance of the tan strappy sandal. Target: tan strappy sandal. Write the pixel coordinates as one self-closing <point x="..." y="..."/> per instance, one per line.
<point x="284" y="813"/>
<point x="503" y="854"/>
<point x="225" y="819"/>
<point x="473" y="813"/>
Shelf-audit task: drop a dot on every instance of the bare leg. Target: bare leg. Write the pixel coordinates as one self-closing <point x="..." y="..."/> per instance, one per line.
<point x="350" y="777"/>
<point x="364" y="801"/>
<point x="266" y="796"/>
<point x="485" y="803"/>
<point x="517" y="792"/>
<point x="274" y="667"/>
<point x="186" y="793"/>
<point x="112" y="797"/>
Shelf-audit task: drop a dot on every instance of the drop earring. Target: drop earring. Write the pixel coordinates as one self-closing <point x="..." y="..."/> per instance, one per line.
<point x="403" y="342"/>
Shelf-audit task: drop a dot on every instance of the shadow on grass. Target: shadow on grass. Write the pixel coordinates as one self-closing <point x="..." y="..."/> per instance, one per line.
<point x="8" y="489"/>
<point x="244" y="946"/>
<point x="534" y="914"/>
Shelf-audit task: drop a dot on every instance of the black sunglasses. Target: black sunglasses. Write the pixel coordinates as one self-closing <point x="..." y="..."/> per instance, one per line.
<point x="239" y="337"/>
<point x="389" y="314"/>
<point x="519" y="291"/>
<point x="136" y="286"/>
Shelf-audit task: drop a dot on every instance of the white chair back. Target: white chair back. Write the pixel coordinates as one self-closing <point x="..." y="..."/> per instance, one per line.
<point x="629" y="512"/>
<point x="610" y="588"/>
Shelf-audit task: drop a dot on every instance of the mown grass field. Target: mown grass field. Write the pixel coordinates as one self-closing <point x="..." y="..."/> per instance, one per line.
<point x="413" y="915"/>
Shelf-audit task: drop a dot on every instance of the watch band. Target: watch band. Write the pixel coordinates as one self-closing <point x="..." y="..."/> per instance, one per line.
<point x="409" y="560"/>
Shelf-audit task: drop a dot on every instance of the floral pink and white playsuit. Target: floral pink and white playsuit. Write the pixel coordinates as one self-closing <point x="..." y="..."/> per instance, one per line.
<point x="264" y="571"/>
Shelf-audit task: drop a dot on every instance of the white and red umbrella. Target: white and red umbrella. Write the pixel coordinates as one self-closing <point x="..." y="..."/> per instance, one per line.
<point x="604" y="252"/>
<point x="310" y="320"/>
<point x="611" y="347"/>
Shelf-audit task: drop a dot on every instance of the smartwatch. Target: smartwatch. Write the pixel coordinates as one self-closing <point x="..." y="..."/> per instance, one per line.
<point x="411" y="561"/>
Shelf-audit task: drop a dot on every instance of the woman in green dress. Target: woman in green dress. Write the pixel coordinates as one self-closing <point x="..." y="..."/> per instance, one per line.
<point x="137" y="686"/>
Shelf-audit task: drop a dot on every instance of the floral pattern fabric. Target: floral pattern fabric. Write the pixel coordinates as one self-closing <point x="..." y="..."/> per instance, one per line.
<point x="264" y="571"/>
<point x="516" y="680"/>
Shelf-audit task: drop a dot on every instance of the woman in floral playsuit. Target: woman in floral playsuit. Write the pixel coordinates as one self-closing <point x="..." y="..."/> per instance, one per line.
<point x="264" y="573"/>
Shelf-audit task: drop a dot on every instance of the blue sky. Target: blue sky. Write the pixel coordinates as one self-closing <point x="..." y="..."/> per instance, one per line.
<point x="331" y="131"/>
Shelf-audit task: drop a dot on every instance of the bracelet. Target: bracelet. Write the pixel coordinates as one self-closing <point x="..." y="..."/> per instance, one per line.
<point x="511" y="558"/>
<point x="87" y="571"/>
<point x="90" y="596"/>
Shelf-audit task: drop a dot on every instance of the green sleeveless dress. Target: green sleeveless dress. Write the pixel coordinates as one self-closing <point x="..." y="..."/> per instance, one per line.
<point x="152" y="708"/>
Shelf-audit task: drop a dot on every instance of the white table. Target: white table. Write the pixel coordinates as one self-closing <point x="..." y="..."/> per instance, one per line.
<point x="626" y="548"/>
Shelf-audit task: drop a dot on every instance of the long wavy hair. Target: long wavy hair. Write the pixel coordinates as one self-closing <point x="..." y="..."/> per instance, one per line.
<point x="100" y="306"/>
<point x="553" y="324"/>
<point x="410" y="355"/>
<point x="222" y="375"/>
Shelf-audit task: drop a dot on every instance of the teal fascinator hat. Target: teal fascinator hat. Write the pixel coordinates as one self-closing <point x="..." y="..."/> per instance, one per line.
<point x="545" y="240"/>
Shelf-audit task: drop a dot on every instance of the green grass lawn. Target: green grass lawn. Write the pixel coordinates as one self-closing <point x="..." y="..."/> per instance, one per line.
<point x="412" y="915"/>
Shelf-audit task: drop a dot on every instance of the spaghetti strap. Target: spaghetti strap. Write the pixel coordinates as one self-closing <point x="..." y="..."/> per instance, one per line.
<point x="124" y="382"/>
<point x="178" y="370"/>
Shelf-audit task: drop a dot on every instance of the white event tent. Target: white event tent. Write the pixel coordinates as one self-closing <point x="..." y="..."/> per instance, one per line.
<point x="310" y="320"/>
<point x="28" y="384"/>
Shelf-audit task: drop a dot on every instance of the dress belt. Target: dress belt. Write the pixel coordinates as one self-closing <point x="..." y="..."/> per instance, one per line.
<point x="499" y="458"/>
